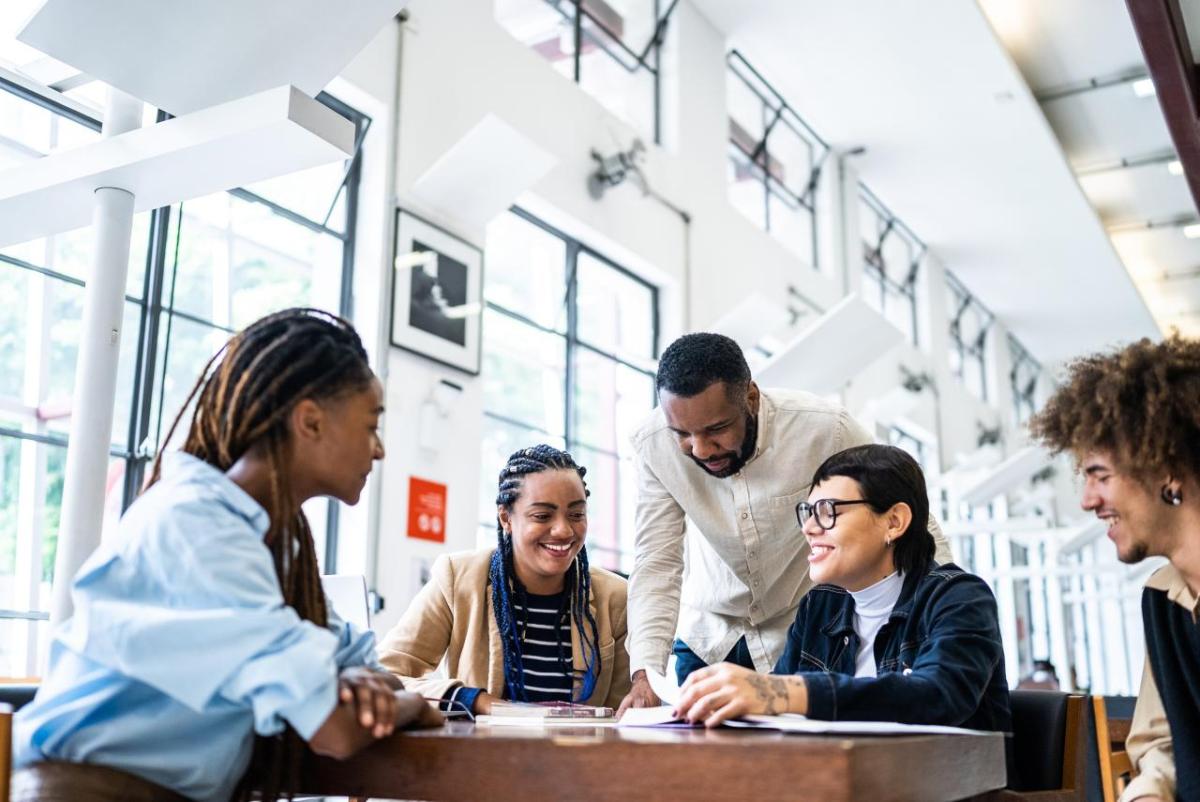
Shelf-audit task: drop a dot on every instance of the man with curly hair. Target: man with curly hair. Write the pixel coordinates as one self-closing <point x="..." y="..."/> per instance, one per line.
<point x="1132" y="420"/>
<point x="733" y="460"/>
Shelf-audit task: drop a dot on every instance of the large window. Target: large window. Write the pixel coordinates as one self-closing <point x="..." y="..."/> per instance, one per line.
<point x="197" y="272"/>
<point x="569" y="345"/>
<point x="1023" y="376"/>
<point x="969" y="325"/>
<point x="775" y="160"/>
<point x="891" y="259"/>
<point x="611" y="48"/>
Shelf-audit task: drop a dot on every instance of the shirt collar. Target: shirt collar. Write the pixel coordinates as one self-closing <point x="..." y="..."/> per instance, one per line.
<point x="1169" y="580"/>
<point x="764" y="420"/>
<point x="179" y="467"/>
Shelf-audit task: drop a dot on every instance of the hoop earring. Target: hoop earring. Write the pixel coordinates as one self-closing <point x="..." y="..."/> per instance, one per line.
<point x="1172" y="497"/>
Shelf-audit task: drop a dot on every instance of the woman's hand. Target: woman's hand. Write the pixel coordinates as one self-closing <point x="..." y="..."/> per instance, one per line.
<point x="483" y="704"/>
<point x="413" y="710"/>
<point x="374" y="697"/>
<point x="715" y="694"/>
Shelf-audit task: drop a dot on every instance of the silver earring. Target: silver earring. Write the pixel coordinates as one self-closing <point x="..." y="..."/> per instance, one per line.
<point x="1172" y="497"/>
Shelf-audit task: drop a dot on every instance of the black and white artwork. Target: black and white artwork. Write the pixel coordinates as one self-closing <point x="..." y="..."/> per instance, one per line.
<point x="436" y="302"/>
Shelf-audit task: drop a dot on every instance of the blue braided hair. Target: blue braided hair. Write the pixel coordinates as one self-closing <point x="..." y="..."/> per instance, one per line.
<point x="507" y="588"/>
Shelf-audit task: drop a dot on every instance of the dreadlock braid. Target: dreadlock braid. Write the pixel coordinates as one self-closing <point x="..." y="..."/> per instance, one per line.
<point x="243" y="399"/>
<point x="507" y="587"/>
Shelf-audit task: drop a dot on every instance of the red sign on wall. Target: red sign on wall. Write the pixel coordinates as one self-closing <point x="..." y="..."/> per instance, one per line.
<point x="426" y="510"/>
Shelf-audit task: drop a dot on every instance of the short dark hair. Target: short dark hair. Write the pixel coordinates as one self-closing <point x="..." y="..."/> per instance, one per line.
<point x="695" y="362"/>
<point x="888" y="476"/>
<point x="1140" y="403"/>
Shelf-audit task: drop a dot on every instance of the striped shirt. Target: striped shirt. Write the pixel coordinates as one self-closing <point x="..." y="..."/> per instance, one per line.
<point x="545" y="648"/>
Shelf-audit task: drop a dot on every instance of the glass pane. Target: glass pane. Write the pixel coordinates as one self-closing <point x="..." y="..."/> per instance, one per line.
<point x="615" y="78"/>
<point x="64" y="309"/>
<point x="308" y="193"/>
<point x="616" y="313"/>
<point x="30" y="131"/>
<point x="745" y="111"/>
<point x="791" y="156"/>
<point x="898" y="256"/>
<point x="610" y="400"/>
<point x="14" y="284"/>
<point x="746" y="190"/>
<point x="604" y="505"/>
<point x="546" y="27"/>
<point x="71" y="253"/>
<point x="185" y="347"/>
<point x="526" y="271"/>
<point x="239" y="261"/>
<point x="792" y="225"/>
<point x="524" y="373"/>
<point x="500" y="440"/>
<point x="899" y="310"/>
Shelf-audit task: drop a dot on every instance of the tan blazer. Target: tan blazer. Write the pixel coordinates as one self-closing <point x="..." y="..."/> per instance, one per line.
<point x="451" y="620"/>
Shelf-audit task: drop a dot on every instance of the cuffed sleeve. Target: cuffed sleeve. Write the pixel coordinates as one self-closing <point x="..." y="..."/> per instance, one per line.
<point x="657" y="576"/>
<point x="1149" y="745"/>
<point x="943" y="686"/>
<point x="415" y="646"/>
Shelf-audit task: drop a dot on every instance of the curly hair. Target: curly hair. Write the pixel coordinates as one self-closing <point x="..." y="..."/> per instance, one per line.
<point x="1140" y="404"/>
<point x="694" y="362"/>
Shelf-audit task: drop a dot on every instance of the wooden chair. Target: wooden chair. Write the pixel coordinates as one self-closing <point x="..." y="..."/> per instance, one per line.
<point x="1049" y="737"/>
<point x="1115" y="764"/>
<point x="6" y="714"/>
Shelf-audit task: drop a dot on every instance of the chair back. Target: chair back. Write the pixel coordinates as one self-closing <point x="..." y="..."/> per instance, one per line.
<point x="348" y="595"/>
<point x="1048" y="741"/>
<point x="1113" y="718"/>
<point x="17" y="695"/>
<point x="6" y="713"/>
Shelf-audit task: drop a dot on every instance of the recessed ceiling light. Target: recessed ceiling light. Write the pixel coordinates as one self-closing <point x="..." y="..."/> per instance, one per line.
<point x="1143" y="87"/>
<point x="1192" y="231"/>
<point x="1175" y="167"/>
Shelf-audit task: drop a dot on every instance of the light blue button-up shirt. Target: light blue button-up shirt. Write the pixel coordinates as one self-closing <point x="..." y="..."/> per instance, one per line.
<point x="181" y="647"/>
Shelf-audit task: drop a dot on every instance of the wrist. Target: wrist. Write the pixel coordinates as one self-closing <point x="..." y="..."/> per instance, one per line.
<point x="640" y="676"/>
<point x="797" y="699"/>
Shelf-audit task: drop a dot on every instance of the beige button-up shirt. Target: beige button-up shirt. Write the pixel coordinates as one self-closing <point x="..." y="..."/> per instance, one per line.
<point x="716" y="559"/>
<point x="1149" y="741"/>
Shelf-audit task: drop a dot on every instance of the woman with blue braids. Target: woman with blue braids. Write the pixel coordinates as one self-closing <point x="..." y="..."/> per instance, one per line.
<point x="527" y="621"/>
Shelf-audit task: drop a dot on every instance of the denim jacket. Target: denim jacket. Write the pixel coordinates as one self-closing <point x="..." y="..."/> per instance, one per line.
<point x="939" y="656"/>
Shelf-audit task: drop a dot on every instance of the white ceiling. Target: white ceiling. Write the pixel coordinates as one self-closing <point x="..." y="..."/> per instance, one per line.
<point x="1053" y="49"/>
<point x="956" y="146"/>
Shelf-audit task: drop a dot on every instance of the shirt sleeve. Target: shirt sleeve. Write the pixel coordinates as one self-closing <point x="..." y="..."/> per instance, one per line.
<point x="191" y="606"/>
<point x="948" y="677"/>
<point x="657" y="576"/>
<point x="1149" y="745"/>
<point x="355" y="647"/>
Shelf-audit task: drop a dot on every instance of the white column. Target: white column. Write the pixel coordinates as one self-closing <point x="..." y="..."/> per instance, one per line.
<point x="95" y="371"/>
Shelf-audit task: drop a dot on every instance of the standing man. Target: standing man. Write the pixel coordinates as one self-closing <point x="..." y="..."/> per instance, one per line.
<point x="1132" y="420"/>
<point x="735" y="460"/>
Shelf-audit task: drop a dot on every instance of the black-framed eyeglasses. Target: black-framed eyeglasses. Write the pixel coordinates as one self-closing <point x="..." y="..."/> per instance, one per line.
<point x="825" y="510"/>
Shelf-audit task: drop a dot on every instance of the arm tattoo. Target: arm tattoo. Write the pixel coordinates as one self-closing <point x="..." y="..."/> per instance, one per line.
<point x="772" y="692"/>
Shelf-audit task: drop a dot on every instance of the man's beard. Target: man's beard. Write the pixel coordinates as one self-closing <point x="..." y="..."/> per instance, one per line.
<point x="1137" y="552"/>
<point x="736" y="460"/>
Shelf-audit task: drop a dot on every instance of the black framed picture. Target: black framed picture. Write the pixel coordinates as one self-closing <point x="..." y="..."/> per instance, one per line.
<point x="437" y="295"/>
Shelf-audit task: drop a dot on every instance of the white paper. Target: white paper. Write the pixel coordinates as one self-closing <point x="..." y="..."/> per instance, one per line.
<point x="791" y="722"/>
<point x="664" y="687"/>
<point x="648" y="717"/>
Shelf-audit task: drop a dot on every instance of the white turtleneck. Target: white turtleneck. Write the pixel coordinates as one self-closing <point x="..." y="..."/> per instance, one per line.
<point x="872" y="606"/>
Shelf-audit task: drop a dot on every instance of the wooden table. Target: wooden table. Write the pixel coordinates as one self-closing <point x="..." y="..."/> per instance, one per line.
<point x="460" y="761"/>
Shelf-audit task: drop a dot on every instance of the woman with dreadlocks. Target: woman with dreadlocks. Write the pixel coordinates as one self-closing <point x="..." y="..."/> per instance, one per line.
<point x="529" y="620"/>
<point x="202" y="623"/>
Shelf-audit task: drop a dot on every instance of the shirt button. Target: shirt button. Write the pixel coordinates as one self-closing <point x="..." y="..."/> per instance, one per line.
<point x="745" y="515"/>
<point x="906" y="671"/>
<point x="846" y="640"/>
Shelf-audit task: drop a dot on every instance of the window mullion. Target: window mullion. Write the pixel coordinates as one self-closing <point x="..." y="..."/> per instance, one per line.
<point x="572" y="268"/>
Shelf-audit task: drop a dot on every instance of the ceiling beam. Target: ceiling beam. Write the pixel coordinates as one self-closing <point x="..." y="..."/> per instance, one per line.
<point x="1053" y="93"/>
<point x="1163" y="36"/>
<point x="1127" y="162"/>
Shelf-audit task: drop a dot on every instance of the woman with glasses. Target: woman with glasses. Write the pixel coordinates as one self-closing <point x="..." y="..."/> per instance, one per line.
<point x="527" y="621"/>
<point x="887" y="634"/>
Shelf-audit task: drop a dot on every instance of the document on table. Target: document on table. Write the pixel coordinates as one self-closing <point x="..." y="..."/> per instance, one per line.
<point x="790" y="722"/>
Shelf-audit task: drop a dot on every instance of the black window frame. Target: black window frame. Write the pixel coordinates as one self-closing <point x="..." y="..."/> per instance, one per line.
<point x="154" y="310"/>
<point x="573" y="342"/>
<point x="875" y="267"/>
<point x="976" y="349"/>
